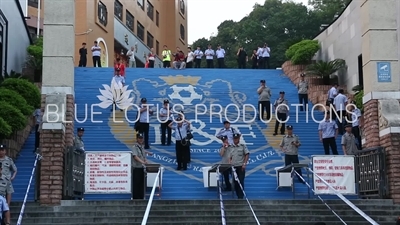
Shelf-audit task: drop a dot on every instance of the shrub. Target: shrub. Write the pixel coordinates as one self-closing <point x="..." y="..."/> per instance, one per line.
<point x="26" y="89"/>
<point x="302" y="52"/>
<point x="359" y="101"/>
<point x="16" y="100"/>
<point x="5" y="129"/>
<point x="12" y="116"/>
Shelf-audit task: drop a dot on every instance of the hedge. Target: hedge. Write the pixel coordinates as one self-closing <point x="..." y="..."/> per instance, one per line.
<point x="16" y="100"/>
<point x="12" y="116"/>
<point x="5" y="129"/>
<point x="26" y="89"/>
<point x="302" y="52"/>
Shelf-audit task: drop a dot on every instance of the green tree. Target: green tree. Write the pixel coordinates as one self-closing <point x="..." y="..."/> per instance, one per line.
<point x="12" y="116"/>
<point x="278" y="23"/>
<point x="328" y="9"/>
<point x="35" y="58"/>
<point x="26" y="89"/>
<point x="16" y="100"/>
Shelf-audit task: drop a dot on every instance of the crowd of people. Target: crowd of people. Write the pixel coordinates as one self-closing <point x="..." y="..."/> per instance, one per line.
<point x="192" y="58"/>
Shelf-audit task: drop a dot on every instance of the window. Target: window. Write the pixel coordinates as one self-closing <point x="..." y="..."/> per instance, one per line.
<point x="182" y="6"/>
<point x="157" y="18"/>
<point x="157" y="47"/>
<point x="33" y="3"/>
<point x="182" y="31"/>
<point x="130" y="21"/>
<point x="118" y="9"/>
<point x="140" y="31"/>
<point x="141" y="3"/>
<point x="150" y="40"/>
<point x="102" y="13"/>
<point x="150" y="10"/>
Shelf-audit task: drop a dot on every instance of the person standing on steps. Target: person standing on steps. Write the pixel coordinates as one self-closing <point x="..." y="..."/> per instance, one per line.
<point x="83" y="55"/>
<point x="355" y="115"/>
<point x="302" y="88"/>
<point x="5" y="196"/>
<point x="9" y="170"/>
<point x="282" y="112"/>
<point x="349" y="141"/>
<point x="96" y="53"/>
<point x="328" y="132"/>
<point x="138" y="163"/>
<point x="265" y="55"/>
<point x="290" y="147"/>
<point x="38" y="119"/>
<point x="340" y="103"/>
<point x="238" y="157"/>
<point x="198" y="54"/>
<point x="225" y="154"/>
<point x="166" y="54"/>
<point x="144" y="121"/>
<point x="264" y="100"/>
<point x="78" y="141"/>
<point x="119" y="80"/>
<point x="209" y="53"/>
<point x="228" y="132"/>
<point x="132" y="59"/>
<point x="182" y="146"/>
<point x="242" y="58"/>
<point x="165" y="117"/>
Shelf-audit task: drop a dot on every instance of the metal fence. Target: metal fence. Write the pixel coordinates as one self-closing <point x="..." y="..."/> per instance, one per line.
<point x="371" y="176"/>
<point x="74" y="172"/>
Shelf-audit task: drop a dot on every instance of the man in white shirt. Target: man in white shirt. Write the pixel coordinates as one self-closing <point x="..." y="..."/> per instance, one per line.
<point x="340" y="102"/>
<point x="220" y="53"/>
<point x="355" y="122"/>
<point x="266" y="55"/>
<point x="260" y="58"/>
<point x="131" y="55"/>
<point x="96" y="53"/>
<point x="209" y="57"/>
<point x="331" y="94"/>
<point x="189" y="58"/>
<point x="198" y="54"/>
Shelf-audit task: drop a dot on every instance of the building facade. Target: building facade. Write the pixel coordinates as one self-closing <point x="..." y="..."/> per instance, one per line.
<point x="14" y="37"/>
<point x="119" y="25"/>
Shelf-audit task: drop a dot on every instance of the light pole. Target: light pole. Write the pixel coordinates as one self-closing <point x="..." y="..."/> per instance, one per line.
<point x="38" y="20"/>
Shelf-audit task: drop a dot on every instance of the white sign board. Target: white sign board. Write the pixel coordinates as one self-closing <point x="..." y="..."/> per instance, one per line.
<point x="338" y="171"/>
<point x="108" y="172"/>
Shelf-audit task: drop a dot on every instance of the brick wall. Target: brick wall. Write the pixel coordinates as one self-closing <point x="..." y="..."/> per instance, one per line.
<point x="370" y="128"/>
<point x="317" y="92"/>
<point x="391" y="143"/>
<point x="53" y="144"/>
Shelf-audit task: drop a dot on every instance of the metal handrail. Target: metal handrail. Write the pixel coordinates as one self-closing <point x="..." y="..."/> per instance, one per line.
<point x="221" y="201"/>
<point x="21" y="213"/>
<point x="244" y="193"/>
<point x="150" y="202"/>
<point x="354" y="207"/>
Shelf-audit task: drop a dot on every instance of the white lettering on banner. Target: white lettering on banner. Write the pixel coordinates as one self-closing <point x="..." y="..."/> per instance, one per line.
<point x="108" y="172"/>
<point x="199" y="130"/>
<point x="338" y="171"/>
<point x="164" y="158"/>
<point x="260" y="157"/>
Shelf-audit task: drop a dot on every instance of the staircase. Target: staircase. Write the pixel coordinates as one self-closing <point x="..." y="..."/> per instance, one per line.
<point x="205" y="212"/>
<point x="188" y="88"/>
<point x="24" y="164"/>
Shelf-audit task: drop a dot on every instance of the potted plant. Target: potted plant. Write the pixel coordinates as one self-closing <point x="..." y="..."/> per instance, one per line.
<point x="324" y="69"/>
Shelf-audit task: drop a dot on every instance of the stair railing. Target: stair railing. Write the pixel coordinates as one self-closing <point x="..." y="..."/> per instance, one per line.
<point x="244" y="194"/>
<point x="150" y="202"/>
<point x="21" y="213"/>
<point x="221" y="201"/>
<point x="349" y="203"/>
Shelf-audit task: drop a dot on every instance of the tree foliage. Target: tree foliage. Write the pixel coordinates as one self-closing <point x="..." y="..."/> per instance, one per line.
<point x="26" y="89"/>
<point x="16" y="100"/>
<point x="302" y="52"/>
<point x="278" y="23"/>
<point x="35" y="54"/>
<point x="12" y="116"/>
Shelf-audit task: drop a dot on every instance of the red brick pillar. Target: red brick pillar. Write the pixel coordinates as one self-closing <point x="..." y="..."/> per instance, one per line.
<point x="371" y="124"/>
<point x="391" y="143"/>
<point x="53" y="144"/>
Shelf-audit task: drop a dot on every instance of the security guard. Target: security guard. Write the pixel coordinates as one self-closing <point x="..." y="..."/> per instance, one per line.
<point x="9" y="168"/>
<point x="5" y="192"/>
<point x="290" y="146"/>
<point x="78" y="141"/>
<point x="282" y="111"/>
<point x="349" y="141"/>
<point x="227" y="131"/>
<point x="139" y="159"/>
<point x="239" y="156"/>
<point x="224" y="153"/>
<point x="165" y="117"/>
<point x="182" y="144"/>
